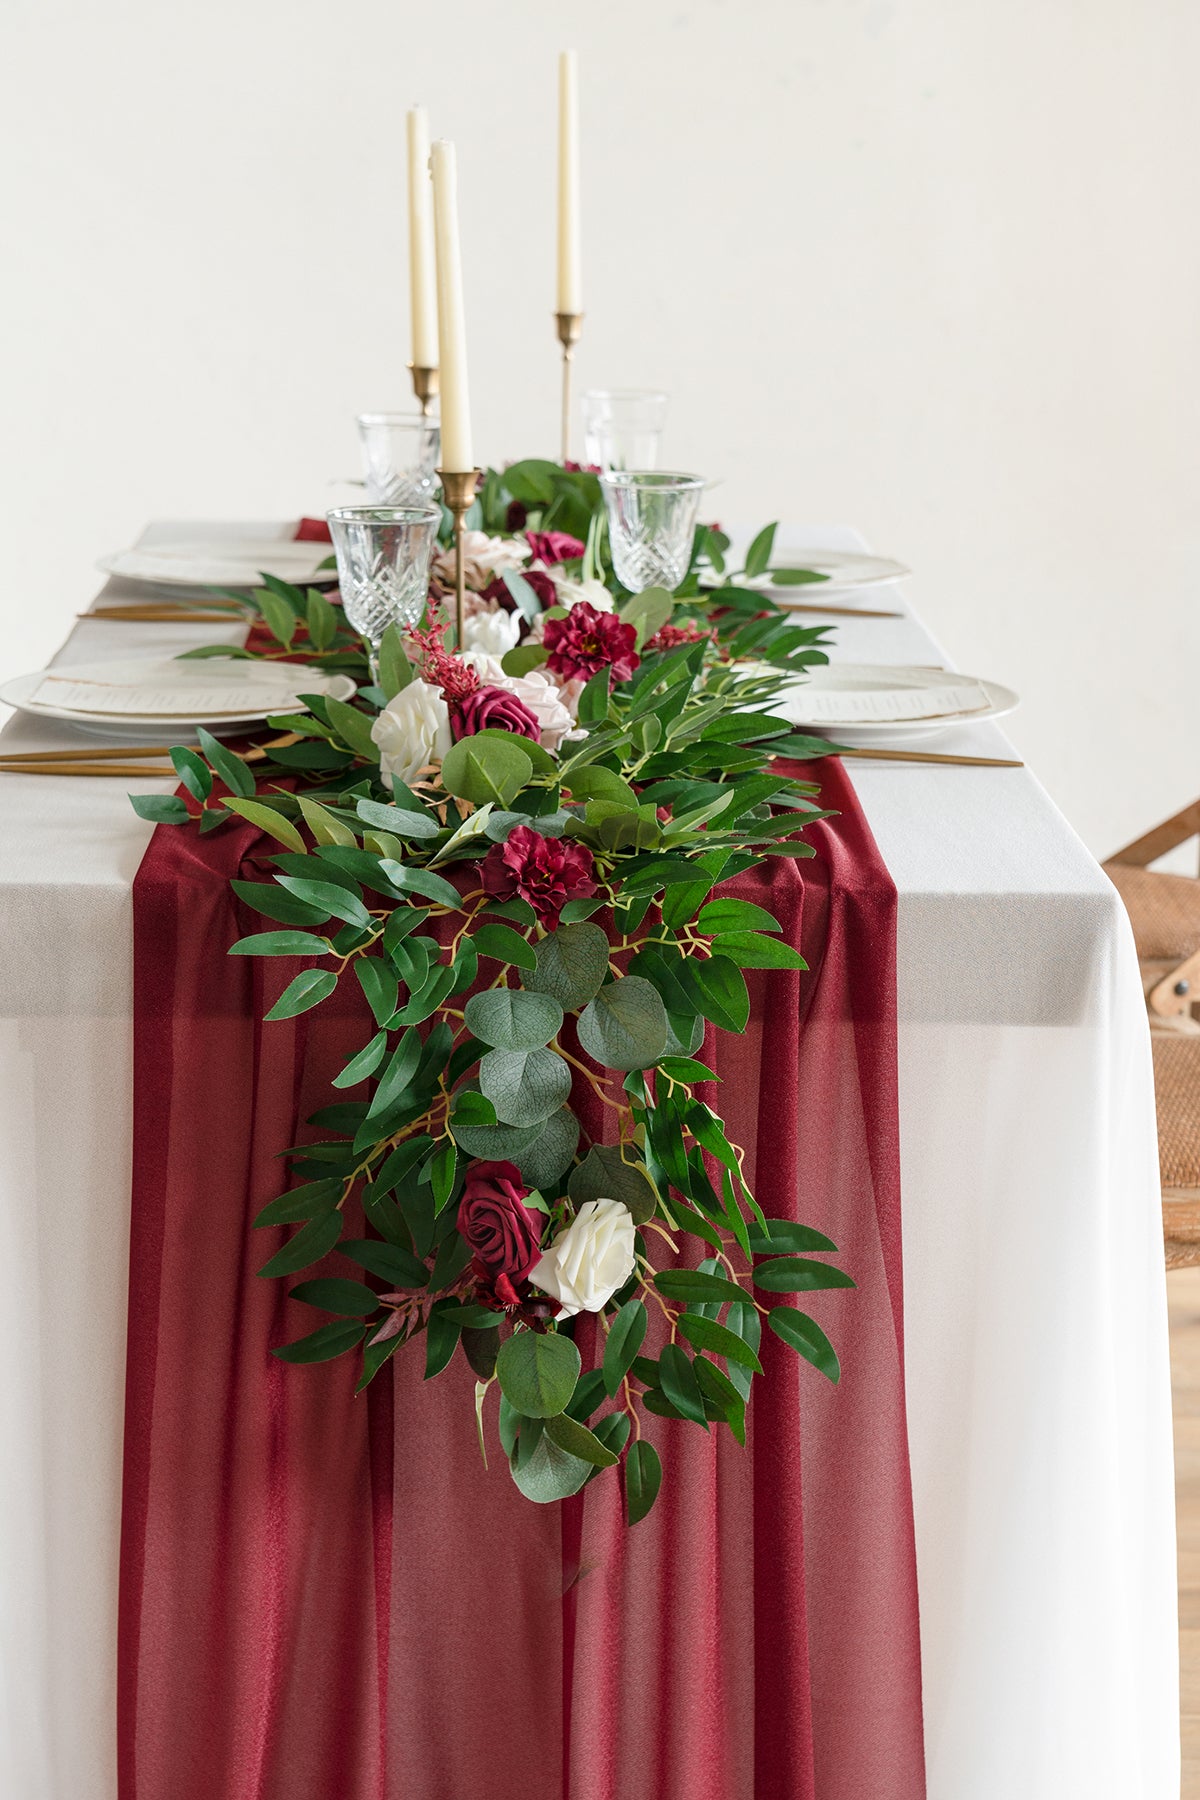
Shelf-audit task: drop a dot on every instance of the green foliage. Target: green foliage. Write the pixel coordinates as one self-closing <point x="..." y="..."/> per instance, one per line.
<point x="625" y="1026"/>
<point x="485" y="1022"/>
<point x="537" y="1372"/>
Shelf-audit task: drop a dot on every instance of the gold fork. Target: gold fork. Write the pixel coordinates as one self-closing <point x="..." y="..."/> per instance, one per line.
<point x="108" y="761"/>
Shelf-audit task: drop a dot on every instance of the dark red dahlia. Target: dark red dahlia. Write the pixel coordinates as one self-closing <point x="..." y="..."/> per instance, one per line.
<point x="493" y="709"/>
<point x="547" y="872"/>
<point x="588" y="640"/>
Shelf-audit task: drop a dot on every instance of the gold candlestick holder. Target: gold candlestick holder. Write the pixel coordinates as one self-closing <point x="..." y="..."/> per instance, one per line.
<point x="425" y="385"/>
<point x="570" y="327"/>
<point x="458" y="491"/>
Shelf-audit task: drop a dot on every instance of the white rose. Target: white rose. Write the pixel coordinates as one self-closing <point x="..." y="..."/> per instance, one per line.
<point x="412" y="731"/>
<point x="492" y="632"/>
<point x="590" y="1260"/>
<point x="541" y="696"/>
<point x="484" y="558"/>
<point x="570" y="593"/>
<point x="486" y="667"/>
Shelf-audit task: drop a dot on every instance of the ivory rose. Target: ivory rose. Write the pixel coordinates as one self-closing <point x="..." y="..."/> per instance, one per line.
<point x="590" y="1260"/>
<point x="492" y="632"/>
<point x="570" y="593"/>
<point x="412" y="731"/>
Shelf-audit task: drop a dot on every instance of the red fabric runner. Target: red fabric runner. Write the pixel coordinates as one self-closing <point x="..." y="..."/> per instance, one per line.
<point x="328" y="1598"/>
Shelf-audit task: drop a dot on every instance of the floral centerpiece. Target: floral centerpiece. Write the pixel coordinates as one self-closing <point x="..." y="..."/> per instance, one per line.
<point x="519" y="851"/>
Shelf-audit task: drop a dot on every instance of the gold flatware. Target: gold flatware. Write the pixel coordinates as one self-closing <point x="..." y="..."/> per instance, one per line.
<point x="935" y="756"/>
<point x="842" y="612"/>
<point x="143" y="771"/>
<point x="49" y="760"/>
<point x="166" y="615"/>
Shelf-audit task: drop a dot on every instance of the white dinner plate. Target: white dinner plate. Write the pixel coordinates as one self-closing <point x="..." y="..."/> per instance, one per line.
<point x="867" y="703"/>
<point x="235" y="563"/>
<point x="846" y="572"/>
<point x="187" y="693"/>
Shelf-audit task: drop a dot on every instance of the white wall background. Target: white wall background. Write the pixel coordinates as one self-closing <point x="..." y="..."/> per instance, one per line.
<point x="931" y="267"/>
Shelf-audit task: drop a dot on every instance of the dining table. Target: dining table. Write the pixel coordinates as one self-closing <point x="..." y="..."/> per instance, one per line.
<point x="1035" y="1340"/>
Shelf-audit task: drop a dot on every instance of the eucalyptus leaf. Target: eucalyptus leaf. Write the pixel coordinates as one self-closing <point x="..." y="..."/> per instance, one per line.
<point x="513" y="1019"/>
<point x="481" y="771"/>
<point x="605" y="1174"/>
<point x="524" y="1086"/>
<point x="625" y="1026"/>
<point x="549" y="1148"/>
<point x="537" y="1372"/>
<point x="571" y="964"/>
<point x="551" y="1473"/>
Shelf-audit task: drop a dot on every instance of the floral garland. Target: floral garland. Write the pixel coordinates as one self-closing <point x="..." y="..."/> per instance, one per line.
<point x="450" y="841"/>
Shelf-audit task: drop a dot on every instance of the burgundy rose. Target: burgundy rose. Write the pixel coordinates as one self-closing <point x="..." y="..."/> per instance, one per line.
<point x="516" y="515"/>
<point x="503" y="1232"/>
<point x="538" y="580"/>
<point x="493" y="709"/>
<point x="574" y="468"/>
<point x="552" y="547"/>
<point x="587" y="640"/>
<point x="547" y="872"/>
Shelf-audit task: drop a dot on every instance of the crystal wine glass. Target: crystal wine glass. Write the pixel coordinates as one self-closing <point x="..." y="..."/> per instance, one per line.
<point x="651" y="522"/>
<point x="400" y="455"/>
<point x="622" y="427"/>
<point x="383" y="557"/>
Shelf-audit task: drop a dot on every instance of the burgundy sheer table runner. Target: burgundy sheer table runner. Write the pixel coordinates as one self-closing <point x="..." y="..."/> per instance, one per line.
<point x="329" y="1598"/>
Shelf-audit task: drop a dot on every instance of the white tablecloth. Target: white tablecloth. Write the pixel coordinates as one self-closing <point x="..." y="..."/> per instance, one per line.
<point x="1038" y="1393"/>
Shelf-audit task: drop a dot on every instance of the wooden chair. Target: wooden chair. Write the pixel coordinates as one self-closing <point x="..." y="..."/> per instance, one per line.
<point x="1165" y="913"/>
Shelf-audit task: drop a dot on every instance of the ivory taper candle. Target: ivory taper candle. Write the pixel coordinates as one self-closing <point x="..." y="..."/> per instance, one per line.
<point x="452" y="332"/>
<point x="570" y="272"/>
<point x="420" y="243"/>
